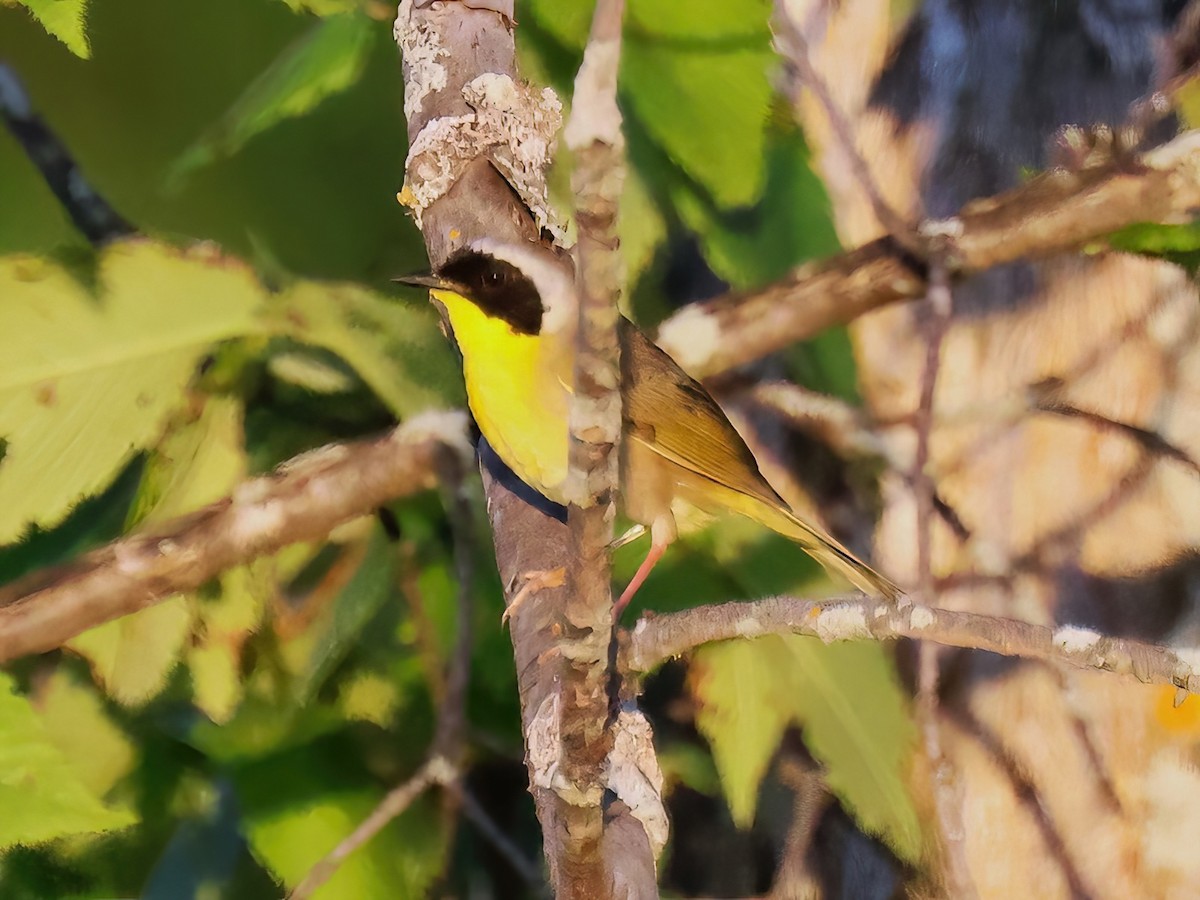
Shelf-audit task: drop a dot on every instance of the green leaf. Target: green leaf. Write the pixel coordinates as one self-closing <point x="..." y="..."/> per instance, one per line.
<point x="393" y="346"/>
<point x="852" y="713"/>
<point x="791" y="224"/>
<point x="640" y="225"/>
<point x="75" y="719"/>
<point x="64" y="19"/>
<point x="225" y="623"/>
<point x="295" y="811"/>
<point x="318" y="650"/>
<point x="1179" y="244"/>
<point x="132" y="656"/>
<point x="88" y="381"/>
<point x="857" y="724"/>
<point x="325" y="7"/>
<point x="326" y="60"/>
<point x="720" y="21"/>
<point x="706" y="108"/>
<point x="567" y="23"/>
<point x="737" y="686"/>
<point x="688" y="764"/>
<point x="41" y="793"/>
<point x="196" y="463"/>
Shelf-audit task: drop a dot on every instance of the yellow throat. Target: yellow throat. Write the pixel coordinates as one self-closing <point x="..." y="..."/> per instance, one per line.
<point x="516" y="388"/>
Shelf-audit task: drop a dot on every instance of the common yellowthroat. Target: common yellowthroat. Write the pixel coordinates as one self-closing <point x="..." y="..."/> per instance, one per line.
<point x="513" y="315"/>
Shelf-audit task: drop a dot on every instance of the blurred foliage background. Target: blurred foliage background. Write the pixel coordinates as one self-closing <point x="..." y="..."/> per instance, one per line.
<point x="219" y="744"/>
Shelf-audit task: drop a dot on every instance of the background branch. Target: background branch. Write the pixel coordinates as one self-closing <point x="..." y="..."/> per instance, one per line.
<point x="1056" y="212"/>
<point x="303" y="500"/>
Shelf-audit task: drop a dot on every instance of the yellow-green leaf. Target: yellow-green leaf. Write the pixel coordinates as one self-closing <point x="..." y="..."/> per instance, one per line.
<point x="86" y="381"/>
<point x="327" y="59"/>
<point x="197" y="462"/>
<point x="707" y="109"/>
<point x="224" y="624"/>
<point x="736" y="686"/>
<point x="640" y="225"/>
<point x="856" y="723"/>
<point x="64" y="19"/>
<point x="75" y="719"/>
<point x="394" y="347"/>
<point x="853" y="716"/>
<point x="131" y="657"/>
<point x="290" y="837"/>
<point x="42" y="794"/>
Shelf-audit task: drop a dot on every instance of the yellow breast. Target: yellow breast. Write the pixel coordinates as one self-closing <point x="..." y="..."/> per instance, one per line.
<point x="516" y="391"/>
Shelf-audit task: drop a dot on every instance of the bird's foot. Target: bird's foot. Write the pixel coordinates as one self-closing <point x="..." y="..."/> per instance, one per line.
<point x="533" y="582"/>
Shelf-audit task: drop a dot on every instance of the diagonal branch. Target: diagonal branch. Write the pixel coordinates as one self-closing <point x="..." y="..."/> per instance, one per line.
<point x="304" y="499"/>
<point x="1057" y="212"/>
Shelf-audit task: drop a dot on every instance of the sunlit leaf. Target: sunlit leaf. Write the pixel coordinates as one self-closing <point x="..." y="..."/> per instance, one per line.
<point x="791" y="224"/>
<point x="87" y="381"/>
<point x="65" y="19"/>
<point x="567" y="23"/>
<point x="849" y="707"/>
<point x="325" y="7"/>
<point x="76" y="721"/>
<point x="707" y="109"/>
<point x="314" y="654"/>
<point x="224" y="623"/>
<point x="131" y="657"/>
<point x="737" y="688"/>
<point x="309" y="371"/>
<point x="327" y="59"/>
<point x="294" y="813"/>
<point x="1179" y="244"/>
<point x="640" y="225"/>
<point x="393" y="346"/>
<point x="42" y="795"/>
<point x="720" y="21"/>
<point x="369" y="697"/>
<point x="198" y="461"/>
<point x="856" y="723"/>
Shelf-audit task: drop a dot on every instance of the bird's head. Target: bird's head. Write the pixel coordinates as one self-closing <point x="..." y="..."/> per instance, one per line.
<point x="528" y="287"/>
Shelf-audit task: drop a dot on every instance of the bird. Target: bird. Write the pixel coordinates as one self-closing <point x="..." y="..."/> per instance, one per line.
<point x="511" y="310"/>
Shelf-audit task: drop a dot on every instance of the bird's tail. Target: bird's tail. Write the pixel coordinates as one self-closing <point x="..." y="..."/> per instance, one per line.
<point x="821" y="547"/>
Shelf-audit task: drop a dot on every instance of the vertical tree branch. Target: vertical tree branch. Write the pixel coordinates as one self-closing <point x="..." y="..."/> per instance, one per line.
<point x="466" y="111"/>
<point x="594" y="133"/>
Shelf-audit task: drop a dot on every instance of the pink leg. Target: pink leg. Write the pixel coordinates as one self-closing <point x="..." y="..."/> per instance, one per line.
<point x="662" y="533"/>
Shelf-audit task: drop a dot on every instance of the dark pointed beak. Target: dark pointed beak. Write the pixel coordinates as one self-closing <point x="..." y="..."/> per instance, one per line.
<point x="424" y="280"/>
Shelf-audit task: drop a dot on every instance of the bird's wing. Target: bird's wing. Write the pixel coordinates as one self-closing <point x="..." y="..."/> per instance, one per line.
<point x="670" y="413"/>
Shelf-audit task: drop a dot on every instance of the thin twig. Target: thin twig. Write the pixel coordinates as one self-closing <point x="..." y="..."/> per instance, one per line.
<point x="794" y="877"/>
<point x="528" y="871"/>
<point x="87" y="208"/>
<point x="793" y="46"/>
<point x="451" y="727"/>
<point x="947" y="789"/>
<point x="435" y="771"/>
<point x="653" y="641"/>
<point x="445" y="759"/>
<point x="594" y="134"/>
<point x="303" y="500"/>
<point x="844" y="428"/>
